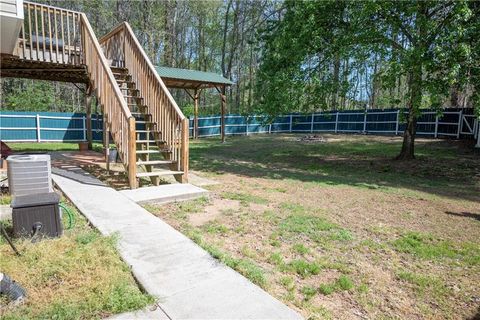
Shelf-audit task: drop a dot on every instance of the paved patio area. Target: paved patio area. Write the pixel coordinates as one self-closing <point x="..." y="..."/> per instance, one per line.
<point x="95" y="162"/>
<point x="187" y="281"/>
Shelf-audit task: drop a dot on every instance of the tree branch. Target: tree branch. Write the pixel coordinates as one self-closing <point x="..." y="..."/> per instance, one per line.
<point x="400" y="22"/>
<point x="438" y="9"/>
<point x="434" y="33"/>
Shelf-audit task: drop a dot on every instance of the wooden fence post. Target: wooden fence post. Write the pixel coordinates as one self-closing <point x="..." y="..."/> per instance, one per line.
<point x="291" y="123"/>
<point x="436" y="126"/>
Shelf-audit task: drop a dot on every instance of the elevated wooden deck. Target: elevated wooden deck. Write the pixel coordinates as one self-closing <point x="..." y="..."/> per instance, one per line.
<point x="49" y="46"/>
<point x="13" y="66"/>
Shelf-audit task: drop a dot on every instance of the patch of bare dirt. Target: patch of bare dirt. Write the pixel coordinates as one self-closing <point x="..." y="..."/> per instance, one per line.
<point x="212" y="211"/>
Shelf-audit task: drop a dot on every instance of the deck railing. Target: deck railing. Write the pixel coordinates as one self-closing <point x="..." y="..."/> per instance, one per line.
<point x="123" y="49"/>
<point x="119" y="120"/>
<point x="50" y="34"/>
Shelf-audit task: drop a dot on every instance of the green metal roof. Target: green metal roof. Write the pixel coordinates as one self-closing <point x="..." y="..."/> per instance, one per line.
<point x="192" y="76"/>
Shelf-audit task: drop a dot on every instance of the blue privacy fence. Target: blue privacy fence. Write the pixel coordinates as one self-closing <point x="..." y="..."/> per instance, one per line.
<point x="453" y="122"/>
<point x="47" y="126"/>
<point x="54" y="126"/>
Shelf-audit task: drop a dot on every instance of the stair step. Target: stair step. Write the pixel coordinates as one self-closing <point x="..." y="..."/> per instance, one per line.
<point x="148" y="151"/>
<point x="129" y="90"/>
<point x="153" y="151"/>
<point x="152" y="141"/>
<point x="121" y="76"/>
<point x="115" y="72"/>
<point x="157" y="173"/>
<point x="119" y="69"/>
<point x="130" y="96"/>
<point x="154" y="162"/>
<point x="125" y="81"/>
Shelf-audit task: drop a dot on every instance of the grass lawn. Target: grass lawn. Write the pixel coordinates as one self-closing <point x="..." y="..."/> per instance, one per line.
<point x="77" y="276"/>
<point x="50" y="146"/>
<point x="339" y="229"/>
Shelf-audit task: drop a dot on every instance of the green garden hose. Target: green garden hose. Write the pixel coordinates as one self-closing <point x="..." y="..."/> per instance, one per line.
<point x="71" y="218"/>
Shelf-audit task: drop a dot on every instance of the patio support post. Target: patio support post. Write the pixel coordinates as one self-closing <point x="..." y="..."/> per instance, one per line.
<point x="224" y="106"/>
<point x="88" y="111"/>
<point x="195" y="114"/>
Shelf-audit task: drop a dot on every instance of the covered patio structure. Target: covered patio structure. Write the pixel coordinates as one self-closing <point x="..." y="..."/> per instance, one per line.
<point x="193" y="82"/>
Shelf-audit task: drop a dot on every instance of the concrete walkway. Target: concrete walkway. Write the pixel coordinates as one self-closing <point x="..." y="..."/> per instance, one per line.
<point x="187" y="281"/>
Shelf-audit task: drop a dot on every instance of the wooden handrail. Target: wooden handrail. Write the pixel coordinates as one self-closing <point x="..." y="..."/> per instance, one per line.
<point x="120" y="121"/>
<point x="122" y="47"/>
<point x="125" y="25"/>
<point x="46" y="7"/>
<point x="103" y="61"/>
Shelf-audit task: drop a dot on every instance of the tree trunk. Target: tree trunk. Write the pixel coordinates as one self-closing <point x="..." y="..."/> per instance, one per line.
<point x="224" y="42"/>
<point x="408" y="146"/>
<point x="415" y="86"/>
<point x="336" y="80"/>
<point x="415" y="82"/>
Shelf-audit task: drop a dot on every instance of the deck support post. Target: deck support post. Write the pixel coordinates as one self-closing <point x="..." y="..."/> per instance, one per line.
<point x="132" y="154"/>
<point x="106" y="142"/>
<point x="88" y="111"/>
<point x="183" y="178"/>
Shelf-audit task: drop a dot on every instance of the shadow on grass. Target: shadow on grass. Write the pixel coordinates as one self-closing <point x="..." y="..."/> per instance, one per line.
<point x="45" y="147"/>
<point x="476" y="316"/>
<point x="475" y="216"/>
<point x="441" y="168"/>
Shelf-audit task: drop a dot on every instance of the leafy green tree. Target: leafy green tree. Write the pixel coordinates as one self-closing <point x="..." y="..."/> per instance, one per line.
<point x="31" y="96"/>
<point x="424" y="42"/>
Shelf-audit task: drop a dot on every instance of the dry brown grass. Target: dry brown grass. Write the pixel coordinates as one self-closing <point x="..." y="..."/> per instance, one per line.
<point x="77" y="276"/>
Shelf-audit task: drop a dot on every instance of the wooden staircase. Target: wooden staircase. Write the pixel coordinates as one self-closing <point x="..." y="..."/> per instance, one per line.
<point x="147" y="126"/>
<point x="162" y="132"/>
<point x="153" y="153"/>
